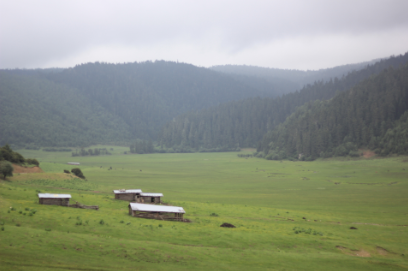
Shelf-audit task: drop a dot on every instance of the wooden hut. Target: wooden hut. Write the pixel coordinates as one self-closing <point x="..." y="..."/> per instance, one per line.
<point x="54" y="199"/>
<point x="161" y="212"/>
<point x="149" y="198"/>
<point x="127" y="194"/>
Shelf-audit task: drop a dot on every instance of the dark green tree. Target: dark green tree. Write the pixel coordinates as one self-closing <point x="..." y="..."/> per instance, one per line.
<point x="6" y="169"/>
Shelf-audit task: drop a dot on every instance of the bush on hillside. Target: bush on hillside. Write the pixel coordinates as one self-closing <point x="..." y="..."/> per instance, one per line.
<point x="78" y="172"/>
<point x="32" y="162"/>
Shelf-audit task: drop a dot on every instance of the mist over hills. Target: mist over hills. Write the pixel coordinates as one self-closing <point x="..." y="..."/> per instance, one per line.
<point x="177" y="105"/>
<point x="285" y="80"/>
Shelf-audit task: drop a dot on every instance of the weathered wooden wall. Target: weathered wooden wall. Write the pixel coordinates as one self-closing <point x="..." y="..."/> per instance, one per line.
<point x="127" y="196"/>
<point x="54" y="201"/>
<point x="142" y="199"/>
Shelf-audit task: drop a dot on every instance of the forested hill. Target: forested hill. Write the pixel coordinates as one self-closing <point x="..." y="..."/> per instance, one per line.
<point x="286" y="81"/>
<point x="119" y="103"/>
<point x="101" y="103"/>
<point x="373" y="114"/>
<point x="38" y="112"/>
<point x="149" y="94"/>
<point x="244" y="123"/>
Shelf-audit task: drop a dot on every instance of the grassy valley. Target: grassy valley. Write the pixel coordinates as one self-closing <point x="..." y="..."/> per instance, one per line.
<point x="288" y="215"/>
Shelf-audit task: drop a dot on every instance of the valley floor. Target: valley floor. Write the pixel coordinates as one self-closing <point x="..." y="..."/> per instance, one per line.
<point x="327" y="214"/>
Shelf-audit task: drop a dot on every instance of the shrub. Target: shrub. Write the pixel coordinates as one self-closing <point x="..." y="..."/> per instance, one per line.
<point x="32" y="162"/>
<point x="78" y="172"/>
<point x="213" y="214"/>
<point x="66" y="171"/>
<point x="102" y="222"/>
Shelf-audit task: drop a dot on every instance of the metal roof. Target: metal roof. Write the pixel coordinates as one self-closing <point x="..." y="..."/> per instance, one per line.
<point x="123" y="191"/>
<point x="73" y="163"/>
<point x="156" y="208"/>
<point x="151" y="194"/>
<point x="54" y="196"/>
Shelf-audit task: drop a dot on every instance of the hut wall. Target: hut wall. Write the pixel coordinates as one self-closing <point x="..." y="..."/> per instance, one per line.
<point x="52" y="201"/>
<point x="156" y="215"/>
<point x="127" y="197"/>
<point x="141" y="199"/>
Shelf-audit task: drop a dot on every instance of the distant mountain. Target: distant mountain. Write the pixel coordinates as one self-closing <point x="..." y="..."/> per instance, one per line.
<point x="243" y="123"/>
<point x="99" y="102"/>
<point x="199" y="108"/>
<point x="149" y="94"/>
<point x="283" y="81"/>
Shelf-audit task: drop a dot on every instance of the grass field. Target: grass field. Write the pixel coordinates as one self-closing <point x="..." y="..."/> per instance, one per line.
<point x="288" y="215"/>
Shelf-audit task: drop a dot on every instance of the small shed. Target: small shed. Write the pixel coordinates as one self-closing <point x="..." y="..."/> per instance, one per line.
<point x="127" y="194"/>
<point x="156" y="211"/>
<point x="149" y="198"/>
<point x="54" y="199"/>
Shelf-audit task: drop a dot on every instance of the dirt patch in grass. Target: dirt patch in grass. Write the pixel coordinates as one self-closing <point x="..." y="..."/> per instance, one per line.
<point x="21" y="169"/>
<point x="358" y="253"/>
<point x="382" y="251"/>
<point x="248" y="150"/>
<point x="368" y="153"/>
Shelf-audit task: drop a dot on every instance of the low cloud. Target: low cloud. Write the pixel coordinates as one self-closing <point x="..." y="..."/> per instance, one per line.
<point x="289" y="34"/>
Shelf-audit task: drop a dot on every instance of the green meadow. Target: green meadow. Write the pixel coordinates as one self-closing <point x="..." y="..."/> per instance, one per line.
<point x="288" y="215"/>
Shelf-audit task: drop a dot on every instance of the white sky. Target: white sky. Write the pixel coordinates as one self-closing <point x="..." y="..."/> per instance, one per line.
<point x="290" y="34"/>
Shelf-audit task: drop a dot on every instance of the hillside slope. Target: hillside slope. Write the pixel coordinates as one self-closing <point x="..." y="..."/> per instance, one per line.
<point x="243" y="123"/>
<point x="285" y="81"/>
<point x="38" y="112"/>
<point x="373" y="114"/>
<point x="149" y="94"/>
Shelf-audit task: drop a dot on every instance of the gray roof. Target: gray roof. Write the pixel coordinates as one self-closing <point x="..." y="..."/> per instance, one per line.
<point x="54" y="196"/>
<point x="127" y="191"/>
<point x="151" y="194"/>
<point x="156" y="208"/>
<point x="73" y="163"/>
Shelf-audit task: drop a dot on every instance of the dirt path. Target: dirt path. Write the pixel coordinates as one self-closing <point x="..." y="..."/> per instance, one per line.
<point x="20" y="169"/>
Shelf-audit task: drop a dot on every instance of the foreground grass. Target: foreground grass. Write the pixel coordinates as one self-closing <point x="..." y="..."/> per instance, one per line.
<point x="272" y="204"/>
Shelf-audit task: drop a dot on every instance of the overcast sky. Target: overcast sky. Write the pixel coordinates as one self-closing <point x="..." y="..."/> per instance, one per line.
<point x="277" y="34"/>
